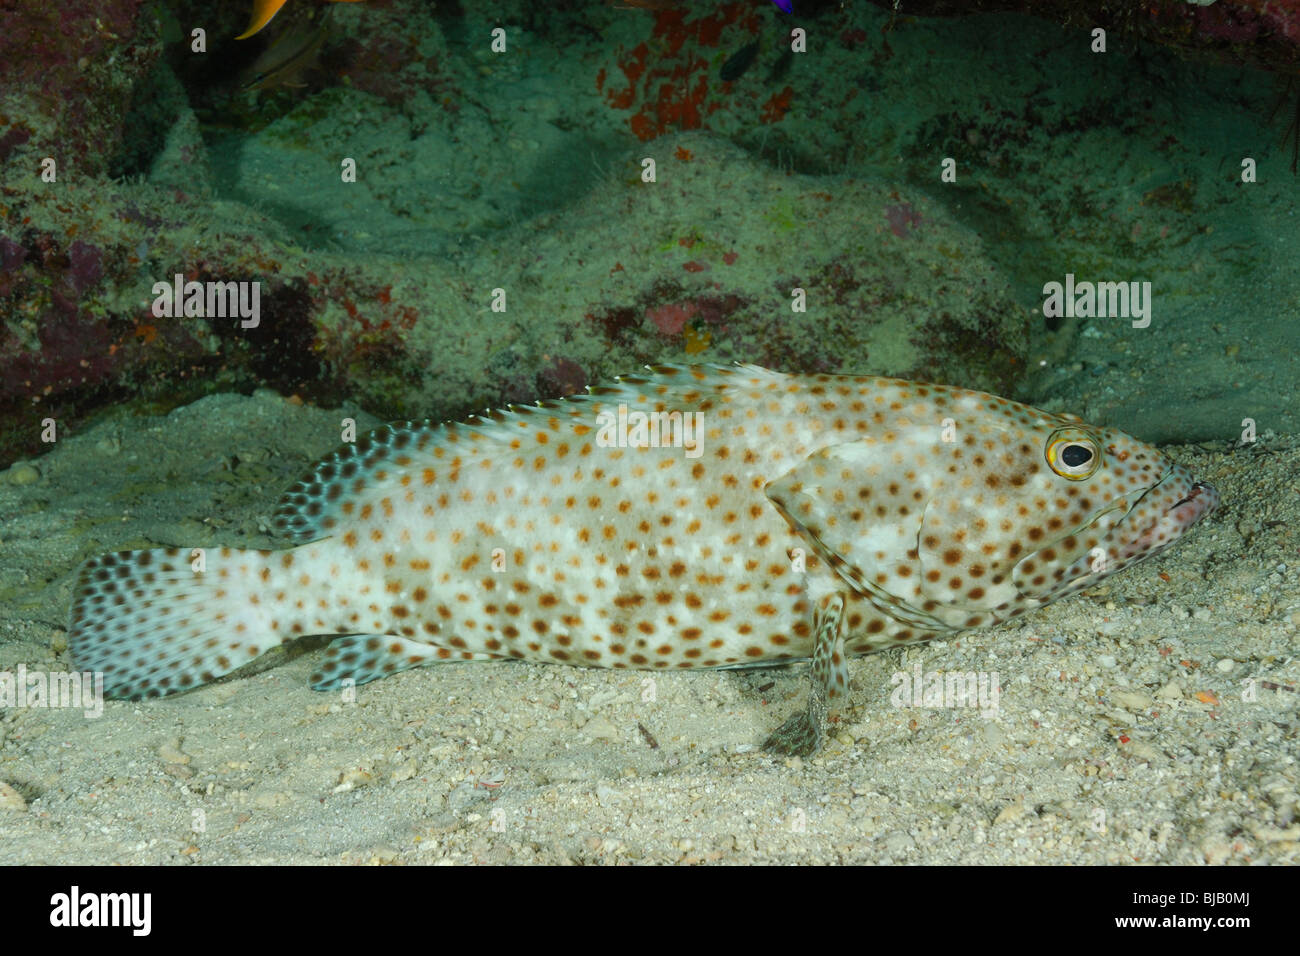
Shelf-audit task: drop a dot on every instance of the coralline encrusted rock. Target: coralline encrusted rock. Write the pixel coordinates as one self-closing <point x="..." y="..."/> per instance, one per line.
<point x="1260" y="33"/>
<point x="70" y="72"/>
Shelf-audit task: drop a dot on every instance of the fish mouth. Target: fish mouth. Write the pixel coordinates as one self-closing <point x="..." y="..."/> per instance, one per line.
<point x="1203" y="498"/>
<point x="1128" y="542"/>
<point x="1200" y="500"/>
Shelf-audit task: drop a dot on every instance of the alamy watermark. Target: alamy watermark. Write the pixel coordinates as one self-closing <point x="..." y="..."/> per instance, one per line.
<point x="951" y="690"/>
<point x="624" y="428"/>
<point x="213" y="300"/>
<point x="1102" y="300"/>
<point x="75" y="690"/>
<point x="75" y="908"/>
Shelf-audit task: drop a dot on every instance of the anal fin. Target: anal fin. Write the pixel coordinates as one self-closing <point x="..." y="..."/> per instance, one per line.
<point x="360" y="658"/>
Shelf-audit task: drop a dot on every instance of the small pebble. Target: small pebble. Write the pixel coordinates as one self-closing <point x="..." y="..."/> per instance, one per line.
<point x="598" y="728"/>
<point x="11" y="799"/>
<point x="1132" y="700"/>
<point x="23" y="474"/>
<point x="1011" y="812"/>
<point x="899" y="842"/>
<point x="351" y="779"/>
<point x="171" y="752"/>
<point x="1216" y="852"/>
<point x="1141" y="750"/>
<point x="1171" y="691"/>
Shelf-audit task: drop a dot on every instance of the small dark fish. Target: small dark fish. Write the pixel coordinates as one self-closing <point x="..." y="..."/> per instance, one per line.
<point x="740" y="61"/>
<point x="781" y="66"/>
<point x="286" y="61"/>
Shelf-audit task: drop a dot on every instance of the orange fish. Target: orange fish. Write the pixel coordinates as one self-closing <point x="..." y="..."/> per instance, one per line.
<point x="264" y="10"/>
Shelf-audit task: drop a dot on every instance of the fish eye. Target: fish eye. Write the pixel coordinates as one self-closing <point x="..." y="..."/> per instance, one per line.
<point x="1073" y="456"/>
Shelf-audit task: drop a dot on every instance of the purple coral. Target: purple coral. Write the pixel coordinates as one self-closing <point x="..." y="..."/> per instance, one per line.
<point x="85" y="266"/>
<point x="902" y="218"/>
<point x="12" y="254"/>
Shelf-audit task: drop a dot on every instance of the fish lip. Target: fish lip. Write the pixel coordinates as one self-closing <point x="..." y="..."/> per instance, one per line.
<point x="1199" y="489"/>
<point x="1201" y="500"/>
<point x="1176" y="520"/>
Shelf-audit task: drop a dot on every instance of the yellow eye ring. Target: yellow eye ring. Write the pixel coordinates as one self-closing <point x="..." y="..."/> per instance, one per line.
<point x="1072" y="454"/>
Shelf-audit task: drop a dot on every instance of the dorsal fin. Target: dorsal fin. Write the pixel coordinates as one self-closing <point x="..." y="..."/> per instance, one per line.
<point x="311" y="508"/>
<point x="338" y="489"/>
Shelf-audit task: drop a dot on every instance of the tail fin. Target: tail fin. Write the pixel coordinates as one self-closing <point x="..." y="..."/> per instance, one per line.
<point x="161" y="621"/>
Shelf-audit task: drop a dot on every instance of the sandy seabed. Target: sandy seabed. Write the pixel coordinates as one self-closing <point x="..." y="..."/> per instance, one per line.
<point x="1151" y="720"/>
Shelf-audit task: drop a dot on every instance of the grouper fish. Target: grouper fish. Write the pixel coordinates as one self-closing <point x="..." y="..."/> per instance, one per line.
<point x="686" y="517"/>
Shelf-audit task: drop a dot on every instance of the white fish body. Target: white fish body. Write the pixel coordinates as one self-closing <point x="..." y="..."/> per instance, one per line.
<point x="693" y="516"/>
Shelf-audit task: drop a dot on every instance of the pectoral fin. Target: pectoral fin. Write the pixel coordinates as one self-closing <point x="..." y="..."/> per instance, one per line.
<point x="861" y="520"/>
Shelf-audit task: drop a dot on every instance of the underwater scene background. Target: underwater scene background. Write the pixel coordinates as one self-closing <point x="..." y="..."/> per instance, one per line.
<point x="213" y="250"/>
